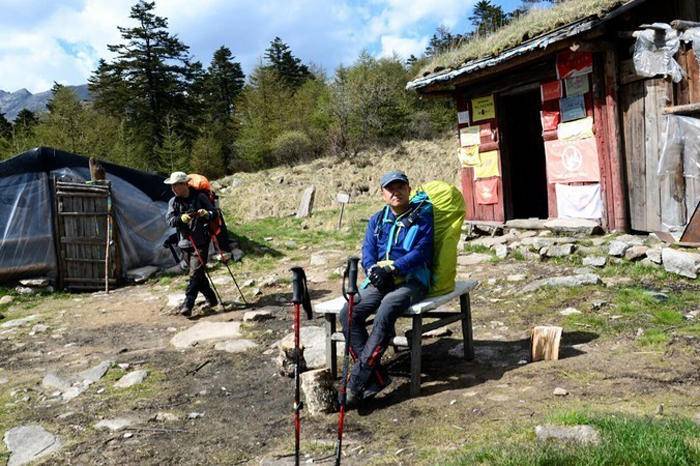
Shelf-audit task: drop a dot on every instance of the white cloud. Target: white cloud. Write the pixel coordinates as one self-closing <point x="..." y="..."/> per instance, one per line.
<point x="404" y="47"/>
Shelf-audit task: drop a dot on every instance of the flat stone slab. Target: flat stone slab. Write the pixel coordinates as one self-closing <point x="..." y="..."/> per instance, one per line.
<point x="206" y="332"/>
<point x="30" y="442"/>
<point x="473" y="259"/>
<point x="18" y="322"/>
<point x="681" y="263"/>
<point x="313" y="339"/>
<point x="565" y="281"/>
<point x="132" y="378"/>
<point x="235" y="346"/>
<point x="141" y="274"/>
<point x="114" y="424"/>
<point x="73" y="385"/>
<point x="257" y="316"/>
<point x="582" y="434"/>
<point x="595" y="261"/>
<point x="35" y="282"/>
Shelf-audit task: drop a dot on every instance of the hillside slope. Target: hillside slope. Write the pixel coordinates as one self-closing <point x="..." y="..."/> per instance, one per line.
<point x="276" y="192"/>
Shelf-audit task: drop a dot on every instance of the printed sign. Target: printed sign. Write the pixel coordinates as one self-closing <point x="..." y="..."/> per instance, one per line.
<point x="486" y="191"/>
<point x="463" y="118"/>
<point x="469" y="136"/>
<point x="341" y="198"/>
<point x="572" y="108"/>
<point x="573" y="63"/>
<point x="469" y="156"/>
<point x="578" y="129"/>
<point x="579" y="201"/>
<point x="550" y="91"/>
<point x="487" y="134"/>
<point x="488" y="167"/>
<point x="572" y="161"/>
<point x="483" y="108"/>
<point x="577" y="85"/>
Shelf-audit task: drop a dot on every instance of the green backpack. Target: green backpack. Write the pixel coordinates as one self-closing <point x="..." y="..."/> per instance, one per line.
<point x="448" y="217"/>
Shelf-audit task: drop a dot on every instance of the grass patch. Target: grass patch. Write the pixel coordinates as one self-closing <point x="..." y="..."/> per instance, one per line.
<point x="478" y="249"/>
<point x="637" y="270"/>
<point x="653" y="337"/>
<point x="628" y="440"/>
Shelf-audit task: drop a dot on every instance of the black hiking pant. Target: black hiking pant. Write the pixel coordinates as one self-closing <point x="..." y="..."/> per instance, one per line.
<point x="198" y="278"/>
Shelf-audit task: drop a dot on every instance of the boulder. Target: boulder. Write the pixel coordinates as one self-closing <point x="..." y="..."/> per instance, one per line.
<point x="319" y="391"/>
<point x="313" y="341"/>
<point x="25" y="290"/>
<point x="7" y="299"/>
<point x="206" y="332"/>
<point x="617" y="248"/>
<point x="564" y="281"/>
<point x="681" y="263"/>
<point x="131" y="379"/>
<point x="635" y="253"/>
<point x="581" y="434"/>
<point x="35" y="282"/>
<point x="595" y="261"/>
<point x="654" y="255"/>
<point x="501" y="250"/>
<point x="235" y="346"/>
<point x="473" y="259"/>
<point x="29" y="443"/>
<point x="18" y="322"/>
<point x="258" y="316"/>
<point x="559" y="250"/>
<point x="306" y="204"/>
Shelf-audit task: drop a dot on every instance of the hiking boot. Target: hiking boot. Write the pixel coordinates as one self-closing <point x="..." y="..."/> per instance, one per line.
<point x="375" y="385"/>
<point x="185" y="310"/>
<point x="352" y="400"/>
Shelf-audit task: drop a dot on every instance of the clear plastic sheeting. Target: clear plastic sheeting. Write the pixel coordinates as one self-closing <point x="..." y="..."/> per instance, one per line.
<point x="26" y="231"/>
<point x="654" y="50"/>
<point x="140" y="220"/>
<point x="679" y="170"/>
<point x="693" y="35"/>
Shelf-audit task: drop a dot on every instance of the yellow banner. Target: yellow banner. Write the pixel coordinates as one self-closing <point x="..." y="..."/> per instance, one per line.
<point x="483" y="108"/>
<point x="469" y="156"/>
<point x="489" y="165"/>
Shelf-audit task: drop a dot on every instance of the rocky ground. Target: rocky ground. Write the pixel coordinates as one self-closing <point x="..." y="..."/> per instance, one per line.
<point x="117" y="379"/>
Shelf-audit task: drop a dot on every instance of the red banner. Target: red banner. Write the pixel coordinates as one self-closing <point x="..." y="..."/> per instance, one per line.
<point x="550" y="91"/>
<point x="573" y="64"/>
<point x="486" y="191"/>
<point x="572" y="161"/>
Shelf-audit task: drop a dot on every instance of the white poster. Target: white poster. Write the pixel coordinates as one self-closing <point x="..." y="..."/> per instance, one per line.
<point x="582" y="201"/>
<point x="463" y="117"/>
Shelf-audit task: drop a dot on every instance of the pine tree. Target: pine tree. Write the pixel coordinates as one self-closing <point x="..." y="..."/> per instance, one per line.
<point x="65" y="122"/>
<point x="487" y="17"/>
<point x="5" y="127"/>
<point x="442" y="41"/>
<point x="172" y="152"/>
<point x="223" y="83"/>
<point x="290" y="68"/>
<point x="25" y="120"/>
<point x="207" y="156"/>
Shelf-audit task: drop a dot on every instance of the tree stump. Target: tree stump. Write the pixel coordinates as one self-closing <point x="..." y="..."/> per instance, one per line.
<point x="544" y="343"/>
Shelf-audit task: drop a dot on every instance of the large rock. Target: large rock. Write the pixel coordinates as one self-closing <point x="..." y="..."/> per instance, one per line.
<point x="559" y="250"/>
<point x="319" y="392"/>
<point x="636" y="253"/>
<point x="306" y="204"/>
<point x="573" y="225"/>
<point x="680" y="262"/>
<point x="206" y="332"/>
<point x="564" y="281"/>
<point x="35" y="282"/>
<point x="73" y="385"/>
<point x="141" y="274"/>
<point x="618" y="248"/>
<point x="132" y="378"/>
<point x="654" y="255"/>
<point x="595" y="261"/>
<point x="258" y="316"/>
<point x="7" y="299"/>
<point x="582" y="434"/>
<point x="501" y="250"/>
<point x="313" y="340"/>
<point x="29" y="443"/>
<point x="473" y="259"/>
<point x="235" y="346"/>
<point x="18" y="322"/>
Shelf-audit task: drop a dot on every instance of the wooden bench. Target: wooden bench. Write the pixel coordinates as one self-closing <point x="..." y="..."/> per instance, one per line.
<point x="426" y="309"/>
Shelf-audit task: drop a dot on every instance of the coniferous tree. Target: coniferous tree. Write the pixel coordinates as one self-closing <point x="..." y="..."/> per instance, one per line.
<point x="442" y="41"/>
<point x="290" y="68"/>
<point x="5" y="127"/>
<point x="487" y="17"/>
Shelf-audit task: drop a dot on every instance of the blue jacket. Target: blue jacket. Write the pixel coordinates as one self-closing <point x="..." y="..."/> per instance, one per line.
<point x="411" y="245"/>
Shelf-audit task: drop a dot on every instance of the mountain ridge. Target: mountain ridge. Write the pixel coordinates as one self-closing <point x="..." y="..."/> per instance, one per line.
<point x="11" y="103"/>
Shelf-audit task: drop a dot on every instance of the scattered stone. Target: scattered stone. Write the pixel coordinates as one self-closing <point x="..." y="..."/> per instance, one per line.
<point x="257" y="316"/>
<point x="256" y="291"/>
<point x="636" y="253"/>
<point x="162" y="416"/>
<point x="473" y="259"/>
<point x="518" y="277"/>
<point x="195" y="415"/>
<point x="141" y="274"/>
<point x="18" y="322"/>
<point x="598" y="304"/>
<point x="691" y="315"/>
<point x="25" y="290"/>
<point x="271" y="280"/>
<point x="35" y="282"/>
<point x="28" y="443"/>
<point x="501" y="251"/>
<point x="320" y="394"/>
<point x="633" y="240"/>
<point x="132" y="378"/>
<point x="71" y="386"/>
<point x="560" y="391"/>
<point x="128" y="435"/>
<point x="290" y="244"/>
<point x="491" y="241"/>
<point x="124" y="365"/>
<point x="306" y="204"/>
<point x="248" y="283"/>
<point x="657" y="296"/>
<point x="317" y="260"/>
<point x="570" y="311"/>
<point x="114" y="424"/>
<point x="7" y="299"/>
<point x="313" y="342"/>
<point x="681" y="263"/>
<point x="438" y="332"/>
<point x="222" y="280"/>
<point x="235" y="346"/>
<point x="38" y="328"/>
<point x="640" y="332"/>
<point x="581" y="434"/>
<point x="559" y="250"/>
<point x="95" y="373"/>
<point x="595" y="261"/>
<point x="237" y="255"/>
<point x="565" y="281"/>
<point x="654" y="255"/>
<point x="206" y="332"/>
<point x="618" y="248"/>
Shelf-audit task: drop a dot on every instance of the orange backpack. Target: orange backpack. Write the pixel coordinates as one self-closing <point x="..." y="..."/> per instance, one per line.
<point x="201" y="183"/>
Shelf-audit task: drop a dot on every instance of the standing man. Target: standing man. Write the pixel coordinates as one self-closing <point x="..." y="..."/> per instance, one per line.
<point x="397" y="255"/>
<point x="190" y="212"/>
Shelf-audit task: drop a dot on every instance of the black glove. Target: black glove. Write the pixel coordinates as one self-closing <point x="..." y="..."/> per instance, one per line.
<point x="382" y="278"/>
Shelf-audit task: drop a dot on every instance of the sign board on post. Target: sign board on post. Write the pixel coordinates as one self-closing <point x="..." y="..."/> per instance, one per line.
<point x="342" y="199"/>
<point x="483" y="108"/>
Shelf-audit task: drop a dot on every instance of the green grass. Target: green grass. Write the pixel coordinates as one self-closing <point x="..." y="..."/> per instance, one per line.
<point x="625" y="440"/>
<point x="638" y="271"/>
<point x="478" y="249"/>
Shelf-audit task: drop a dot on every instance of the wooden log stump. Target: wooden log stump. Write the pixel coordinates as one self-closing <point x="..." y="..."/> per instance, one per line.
<point x="544" y="343"/>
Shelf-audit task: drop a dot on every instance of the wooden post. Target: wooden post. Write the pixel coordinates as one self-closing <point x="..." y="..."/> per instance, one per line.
<point x="416" y="335"/>
<point x="342" y="198"/>
<point x="108" y="238"/>
<point x="467" y="336"/>
<point x="545" y="343"/>
<point x="331" y="345"/>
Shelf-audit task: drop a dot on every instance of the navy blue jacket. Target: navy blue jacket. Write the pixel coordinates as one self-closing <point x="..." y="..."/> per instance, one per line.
<point x="411" y="248"/>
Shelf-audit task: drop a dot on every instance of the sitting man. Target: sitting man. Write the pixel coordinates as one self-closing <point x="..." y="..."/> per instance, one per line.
<point x="397" y="256"/>
<point x="189" y="212"/>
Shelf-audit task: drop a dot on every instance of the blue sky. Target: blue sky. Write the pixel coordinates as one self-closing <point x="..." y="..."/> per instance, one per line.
<point x="42" y="41"/>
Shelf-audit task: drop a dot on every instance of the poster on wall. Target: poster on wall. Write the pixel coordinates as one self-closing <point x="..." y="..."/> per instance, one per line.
<point x="573" y="64"/>
<point x="577" y="129"/>
<point x="572" y="161"/>
<point x="469" y="156"/>
<point x="486" y="191"/>
<point x="550" y="91"/>
<point x="488" y="167"/>
<point x="577" y="85"/>
<point x="572" y="108"/>
<point x="469" y="136"/>
<point x="579" y="201"/>
<point x="463" y="117"/>
<point x="483" y="108"/>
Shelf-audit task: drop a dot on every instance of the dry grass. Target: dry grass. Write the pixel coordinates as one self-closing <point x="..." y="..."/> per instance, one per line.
<point x="536" y="22"/>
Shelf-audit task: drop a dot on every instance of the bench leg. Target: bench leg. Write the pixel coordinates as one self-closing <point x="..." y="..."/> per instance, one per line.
<point x="467" y="336"/>
<point x="331" y="347"/>
<point x="416" y="335"/>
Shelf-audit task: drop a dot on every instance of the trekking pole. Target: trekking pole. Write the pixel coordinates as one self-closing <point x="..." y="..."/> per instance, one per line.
<point x="300" y="296"/>
<point x="350" y="276"/>
<point x="204" y="267"/>
<point x="225" y="262"/>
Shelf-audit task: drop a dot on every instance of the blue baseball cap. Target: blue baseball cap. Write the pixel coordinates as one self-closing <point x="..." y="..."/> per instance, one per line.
<point x="390" y="177"/>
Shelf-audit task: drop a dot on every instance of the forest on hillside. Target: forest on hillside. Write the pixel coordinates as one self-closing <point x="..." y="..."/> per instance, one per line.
<point x="155" y="108"/>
